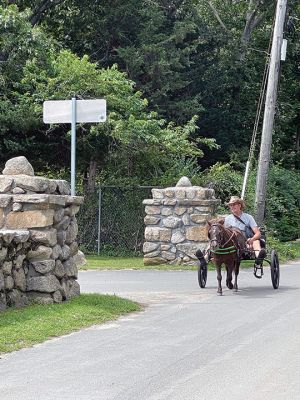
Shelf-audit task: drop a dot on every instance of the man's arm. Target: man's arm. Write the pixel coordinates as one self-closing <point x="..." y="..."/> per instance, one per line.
<point x="227" y="222"/>
<point x="256" y="235"/>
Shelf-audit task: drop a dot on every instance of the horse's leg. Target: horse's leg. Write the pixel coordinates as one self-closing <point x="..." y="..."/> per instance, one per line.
<point x="229" y="276"/>
<point x="229" y="279"/>
<point x="219" y="278"/>
<point x="236" y="272"/>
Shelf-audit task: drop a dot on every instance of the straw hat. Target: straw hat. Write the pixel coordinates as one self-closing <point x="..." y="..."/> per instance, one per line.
<point x="236" y="199"/>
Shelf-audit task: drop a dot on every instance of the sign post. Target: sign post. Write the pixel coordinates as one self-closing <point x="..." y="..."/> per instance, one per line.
<point x="73" y="147"/>
<point x="73" y="111"/>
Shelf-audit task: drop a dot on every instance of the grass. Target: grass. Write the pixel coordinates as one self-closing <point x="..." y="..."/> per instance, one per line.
<point x="117" y="263"/>
<point x="27" y="326"/>
<point x="110" y="262"/>
<point x="286" y="251"/>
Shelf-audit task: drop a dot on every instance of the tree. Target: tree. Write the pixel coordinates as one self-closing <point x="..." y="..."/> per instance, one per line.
<point x="187" y="57"/>
<point x="131" y="126"/>
<point x="151" y="40"/>
<point x="19" y="44"/>
<point x="286" y="148"/>
<point x="39" y="8"/>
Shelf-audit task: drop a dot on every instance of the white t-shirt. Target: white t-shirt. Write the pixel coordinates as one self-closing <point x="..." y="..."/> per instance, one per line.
<point x="231" y="221"/>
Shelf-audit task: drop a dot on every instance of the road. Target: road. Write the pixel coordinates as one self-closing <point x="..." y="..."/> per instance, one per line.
<point x="187" y="344"/>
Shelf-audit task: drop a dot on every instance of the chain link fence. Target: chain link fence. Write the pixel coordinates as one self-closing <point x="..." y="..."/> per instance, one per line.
<point x="111" y="220"/>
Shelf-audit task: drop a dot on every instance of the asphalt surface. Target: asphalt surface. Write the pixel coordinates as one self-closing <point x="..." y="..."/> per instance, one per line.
<point x="187" y="344"/>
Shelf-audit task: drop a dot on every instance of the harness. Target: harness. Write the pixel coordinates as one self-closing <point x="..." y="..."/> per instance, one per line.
<point x="227" y="250"/>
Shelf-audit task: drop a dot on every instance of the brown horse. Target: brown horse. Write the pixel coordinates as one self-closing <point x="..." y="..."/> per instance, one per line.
<point x="226" y="246"/>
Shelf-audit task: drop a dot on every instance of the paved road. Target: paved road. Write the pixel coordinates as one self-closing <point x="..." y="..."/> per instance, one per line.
<point x="188" y="344"/>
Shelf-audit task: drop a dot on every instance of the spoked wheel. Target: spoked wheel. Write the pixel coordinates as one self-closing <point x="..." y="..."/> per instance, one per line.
<point x="202" y="276"/>
<point x="275" y="273"/>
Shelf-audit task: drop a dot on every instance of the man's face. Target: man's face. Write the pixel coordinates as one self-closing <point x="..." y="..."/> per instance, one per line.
<point x="235" y="208"/>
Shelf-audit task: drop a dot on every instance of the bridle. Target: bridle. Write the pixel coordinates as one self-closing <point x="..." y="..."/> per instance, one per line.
<point x="222" y="249"/>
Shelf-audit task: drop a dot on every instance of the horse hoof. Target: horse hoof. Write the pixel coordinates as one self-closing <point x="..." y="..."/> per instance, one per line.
<point x="229" y="285"/>
<point x="220" y="293"/>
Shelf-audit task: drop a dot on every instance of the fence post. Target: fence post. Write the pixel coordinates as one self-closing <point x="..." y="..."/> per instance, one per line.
<point x="99" y="221"/>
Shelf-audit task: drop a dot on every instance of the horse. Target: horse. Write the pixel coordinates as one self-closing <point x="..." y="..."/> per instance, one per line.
<point x="226" y="246"/>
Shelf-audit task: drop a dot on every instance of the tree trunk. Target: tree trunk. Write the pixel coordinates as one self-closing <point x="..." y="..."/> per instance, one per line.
<point x="216" y="14"/>
<point x="41" y="9"/>
<point x="91" y="177"/>
<point x="252" y="20"/>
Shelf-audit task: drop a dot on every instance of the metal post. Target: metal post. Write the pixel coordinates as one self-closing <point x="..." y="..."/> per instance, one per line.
<point x="245" y="179"/>
<point x="268" y="122"/>
<point x="73" y="147"/>
<point x="99" y="221"/>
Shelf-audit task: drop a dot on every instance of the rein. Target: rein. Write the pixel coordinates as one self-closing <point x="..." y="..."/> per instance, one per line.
<point x="225" y="250"/>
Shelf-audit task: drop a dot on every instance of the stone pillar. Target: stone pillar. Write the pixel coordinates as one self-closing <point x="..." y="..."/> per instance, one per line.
<point x="175" y="223"/>
<point x="38" y="250"/>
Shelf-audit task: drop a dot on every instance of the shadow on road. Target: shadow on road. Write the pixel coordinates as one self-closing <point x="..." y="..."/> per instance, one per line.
<point x="264" y="291"/>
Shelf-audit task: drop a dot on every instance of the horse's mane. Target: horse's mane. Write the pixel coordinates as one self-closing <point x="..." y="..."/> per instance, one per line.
<point x="219" y="221"/>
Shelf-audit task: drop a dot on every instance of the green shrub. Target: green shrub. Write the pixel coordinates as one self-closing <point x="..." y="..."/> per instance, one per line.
<point x="282" y="199"/>
<point x="286" y="251"/>
<point x="224" y="180"/>
<point x="283" y="203"/>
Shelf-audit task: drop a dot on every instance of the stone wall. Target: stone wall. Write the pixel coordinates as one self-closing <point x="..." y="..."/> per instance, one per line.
<point x="39" y="254"/>
<point x="175" y="223"/>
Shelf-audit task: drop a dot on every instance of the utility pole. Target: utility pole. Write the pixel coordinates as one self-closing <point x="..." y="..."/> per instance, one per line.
<point x="268" y="121"/>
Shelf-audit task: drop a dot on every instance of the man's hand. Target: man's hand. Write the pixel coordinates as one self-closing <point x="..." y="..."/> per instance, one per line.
<point x="250" y="242"/>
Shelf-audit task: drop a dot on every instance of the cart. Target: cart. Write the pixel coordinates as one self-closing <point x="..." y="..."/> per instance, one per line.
<point x="258" y="269"/>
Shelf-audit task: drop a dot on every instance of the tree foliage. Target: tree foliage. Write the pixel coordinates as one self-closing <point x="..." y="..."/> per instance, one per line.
<point x="179" y="76"/>
<point x="131" y="127"/>
<point x="20" y="43"/>
<point x="283" y="196"/>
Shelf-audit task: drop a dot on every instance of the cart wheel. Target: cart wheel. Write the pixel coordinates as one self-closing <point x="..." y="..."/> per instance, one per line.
<point x="202" y="276"/>
<point x="275" y="273"/>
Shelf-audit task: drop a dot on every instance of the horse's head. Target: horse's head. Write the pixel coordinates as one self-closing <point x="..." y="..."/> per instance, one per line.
<point x="215" y="233"/>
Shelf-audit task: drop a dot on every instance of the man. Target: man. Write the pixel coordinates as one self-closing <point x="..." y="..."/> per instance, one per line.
<point x="242" y="221"/>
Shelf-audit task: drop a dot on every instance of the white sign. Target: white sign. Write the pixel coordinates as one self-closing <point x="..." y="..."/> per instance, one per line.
<point x="60" y="111"/>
